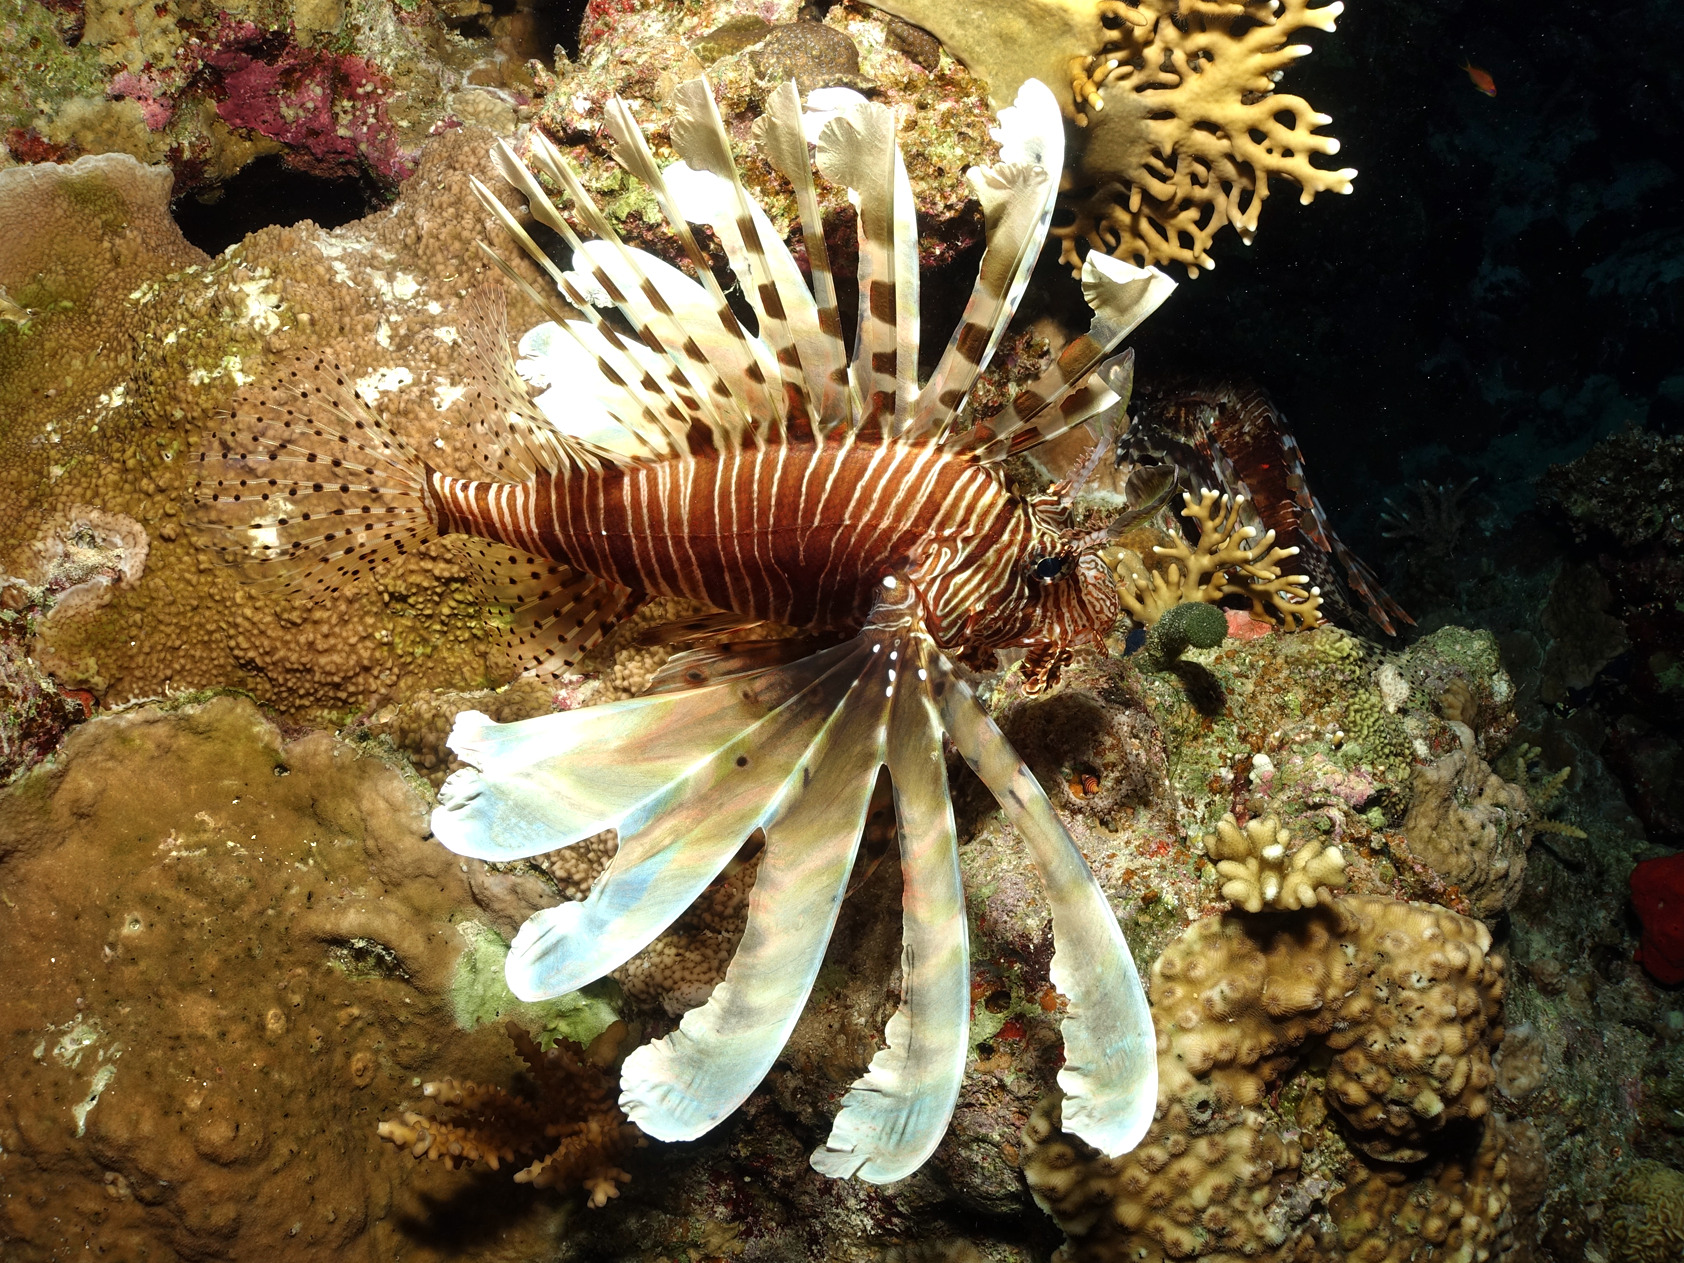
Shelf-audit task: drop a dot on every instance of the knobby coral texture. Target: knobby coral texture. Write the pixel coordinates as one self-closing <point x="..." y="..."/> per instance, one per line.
<point x="1381" y="1014"/>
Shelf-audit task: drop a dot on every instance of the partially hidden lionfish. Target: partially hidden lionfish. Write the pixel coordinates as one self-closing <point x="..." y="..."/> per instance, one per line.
<point x="1231" y="435"/>
<point x="777" y="479"/>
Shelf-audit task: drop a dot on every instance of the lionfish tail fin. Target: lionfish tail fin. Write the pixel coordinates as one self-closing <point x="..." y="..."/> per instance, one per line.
<point x="301" y="475"/>
<point x="790" y="752"/>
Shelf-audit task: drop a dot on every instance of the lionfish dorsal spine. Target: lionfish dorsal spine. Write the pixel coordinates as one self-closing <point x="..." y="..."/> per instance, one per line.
<point x="783" y="139"/>
<point x="1017" y="196"/>
<point x="752" y="392"/>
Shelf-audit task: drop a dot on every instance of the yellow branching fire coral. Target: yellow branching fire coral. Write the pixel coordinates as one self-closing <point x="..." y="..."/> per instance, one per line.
<point x="1187" y="127"/>
<point x="1224" y="562"/>
<point x="1178" y="97"/>
<point x="1401" y="1003"/>
<point x="1260" y="868"/>
<point x="572" y="1131"/>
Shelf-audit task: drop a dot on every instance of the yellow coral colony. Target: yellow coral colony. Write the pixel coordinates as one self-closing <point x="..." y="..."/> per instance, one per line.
<point x="1259" y="869"/>
<point x="1184" y="125"/>
<point x="1224" y="562"/>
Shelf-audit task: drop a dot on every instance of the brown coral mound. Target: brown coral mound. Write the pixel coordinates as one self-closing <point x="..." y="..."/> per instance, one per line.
<point x="1470" y="825"/>
<point x="223" y="947"/>
<point x="573" y="1119"/>
<point x="1401" y="1001"/>
<point x="139" y="340"/>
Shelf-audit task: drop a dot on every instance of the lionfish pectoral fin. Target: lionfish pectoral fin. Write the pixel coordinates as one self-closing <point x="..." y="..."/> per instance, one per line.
<point x="679" y="1087"/>
<point x="1110" y="1074"/>
<point x="677" y="841"/>
<point x="896" y="1114"/>
<point x="545" y="783"/>
<point x="684" y="777"/>
<point x="695" y="668"/>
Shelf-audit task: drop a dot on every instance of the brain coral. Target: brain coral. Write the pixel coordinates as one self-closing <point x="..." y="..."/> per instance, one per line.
<point x="1646" y="1215"/>
<point x="1400" y="1001"/>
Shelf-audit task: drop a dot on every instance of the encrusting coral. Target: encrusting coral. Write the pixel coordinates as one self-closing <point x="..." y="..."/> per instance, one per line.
<point x="1223" y="562"/>
<point x="1400" y="1001"/>
<point x="572" y="1128"/>
<point x="1259" y="869"/>
<point x="1184" y="126"/>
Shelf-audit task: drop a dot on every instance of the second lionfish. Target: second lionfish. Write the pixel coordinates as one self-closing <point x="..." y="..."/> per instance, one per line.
<point x="776" y="478"/>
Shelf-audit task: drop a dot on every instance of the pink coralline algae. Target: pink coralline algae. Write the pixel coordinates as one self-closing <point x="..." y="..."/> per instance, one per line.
<point x="152" y="96"/>
<point x="1242" y="626"/>
<point x="1657" y="892"/>
<point x="327" y="108"/>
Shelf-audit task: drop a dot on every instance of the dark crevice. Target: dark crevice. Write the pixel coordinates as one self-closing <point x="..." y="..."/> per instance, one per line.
<point x="269" y="192"/>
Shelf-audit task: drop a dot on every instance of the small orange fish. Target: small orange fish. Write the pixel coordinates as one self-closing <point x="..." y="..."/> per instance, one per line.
<point x="1481" y="78"/>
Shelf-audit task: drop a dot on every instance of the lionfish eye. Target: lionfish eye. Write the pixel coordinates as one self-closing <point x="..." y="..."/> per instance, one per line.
<point x="1048" y="568"/>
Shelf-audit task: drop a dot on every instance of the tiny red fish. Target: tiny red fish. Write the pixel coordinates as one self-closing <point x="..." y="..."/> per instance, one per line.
<point x="1481" y="78"/>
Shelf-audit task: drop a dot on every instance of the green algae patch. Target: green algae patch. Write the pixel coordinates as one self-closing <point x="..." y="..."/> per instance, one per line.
<point x="479" y="996"/>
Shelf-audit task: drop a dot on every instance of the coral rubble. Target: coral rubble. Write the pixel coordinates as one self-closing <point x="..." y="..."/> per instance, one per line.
<point x="336" y="88"/>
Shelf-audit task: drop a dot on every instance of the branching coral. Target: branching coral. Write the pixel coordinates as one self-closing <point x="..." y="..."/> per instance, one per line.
<point x="1260" y="868"/>
<point x="1224" y="562"/>
<point x="574" y="1121"/>
<point x="1186" y="126"/>
<point x="1404" y="1001"/>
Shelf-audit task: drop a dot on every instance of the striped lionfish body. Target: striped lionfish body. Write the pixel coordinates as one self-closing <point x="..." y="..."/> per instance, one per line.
<point x="1218" y="434"/>
<point x="777" y="476"/>
<point x="801" y="533"/>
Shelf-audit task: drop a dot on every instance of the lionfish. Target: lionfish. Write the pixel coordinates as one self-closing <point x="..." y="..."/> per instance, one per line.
<point x="1217" y="434"/>
<point x="777" y="479"/>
